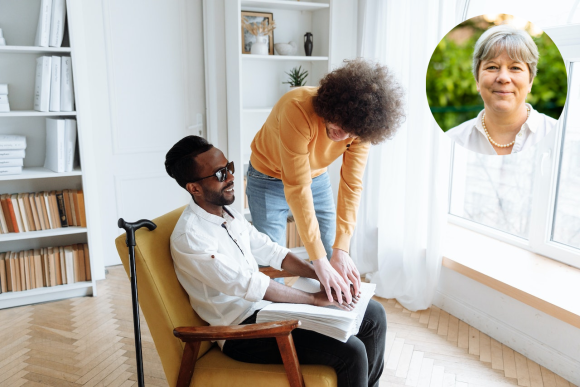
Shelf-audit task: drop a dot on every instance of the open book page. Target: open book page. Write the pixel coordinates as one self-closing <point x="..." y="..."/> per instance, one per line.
<point x="330" y="321"/>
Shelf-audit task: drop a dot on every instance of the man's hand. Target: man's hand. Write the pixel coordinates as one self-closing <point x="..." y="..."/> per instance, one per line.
<point x="343" y="264"/>
<point x="331" y="280"/>
<point x="321" y="300"/>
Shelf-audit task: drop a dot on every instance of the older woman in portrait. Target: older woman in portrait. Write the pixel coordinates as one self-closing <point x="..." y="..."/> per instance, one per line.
<point x="504" y="65"/>
<point x="356" y="105"/>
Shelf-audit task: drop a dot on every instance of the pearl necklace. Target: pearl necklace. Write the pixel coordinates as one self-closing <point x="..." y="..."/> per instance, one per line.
<point x="489" y="137"/>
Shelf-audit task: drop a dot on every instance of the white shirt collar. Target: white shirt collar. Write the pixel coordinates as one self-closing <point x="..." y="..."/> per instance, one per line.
<point x="531" y="122"/>
<point x="206" y="215"/>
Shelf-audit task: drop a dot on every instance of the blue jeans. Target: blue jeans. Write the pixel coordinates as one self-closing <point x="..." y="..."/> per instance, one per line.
<point x="269" y="208"/>
<point x="358" y="363"/>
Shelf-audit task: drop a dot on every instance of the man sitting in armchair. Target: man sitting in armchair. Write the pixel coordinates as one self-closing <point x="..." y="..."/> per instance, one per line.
<point x="216" y="253"/>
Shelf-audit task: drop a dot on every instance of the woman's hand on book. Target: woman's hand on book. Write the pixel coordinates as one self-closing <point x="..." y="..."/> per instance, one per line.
<point x="331" y="280"/>
<point x="320" y="299"/>
<point x="344" y="265"/>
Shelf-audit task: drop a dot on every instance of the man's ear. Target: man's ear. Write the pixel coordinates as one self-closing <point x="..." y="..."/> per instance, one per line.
<point x="193" y="188"/>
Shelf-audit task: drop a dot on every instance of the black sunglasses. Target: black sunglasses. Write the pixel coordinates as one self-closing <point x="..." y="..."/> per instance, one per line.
<point x="221" y="173"/>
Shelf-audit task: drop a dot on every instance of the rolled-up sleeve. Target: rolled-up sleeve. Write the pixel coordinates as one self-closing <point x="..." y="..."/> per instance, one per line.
<point x="197" y="257"/>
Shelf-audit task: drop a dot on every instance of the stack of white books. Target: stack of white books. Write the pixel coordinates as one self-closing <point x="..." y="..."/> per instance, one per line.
<point x="330" y="321"/>
<point x="12" y="152"/>
<point x="61" y="138"/>
<point x="54" y="89"/>
<point x="51" y="23"/>
<point x="2" y="40"/>
<point x="4" y="105"/>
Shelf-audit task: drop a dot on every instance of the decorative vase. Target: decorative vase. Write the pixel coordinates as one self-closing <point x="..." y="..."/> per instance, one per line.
<point x="308" y="43"/>
<point x="260" y="46"/>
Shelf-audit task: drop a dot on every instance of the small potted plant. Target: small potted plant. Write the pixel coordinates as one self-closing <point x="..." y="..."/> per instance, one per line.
<point x="296" y="77"/>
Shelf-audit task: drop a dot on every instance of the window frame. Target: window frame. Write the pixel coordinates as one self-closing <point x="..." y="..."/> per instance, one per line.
<point x="545" y="178"/>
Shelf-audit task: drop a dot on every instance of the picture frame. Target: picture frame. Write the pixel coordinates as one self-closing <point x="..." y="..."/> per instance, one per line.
<point x="248" y="38"/>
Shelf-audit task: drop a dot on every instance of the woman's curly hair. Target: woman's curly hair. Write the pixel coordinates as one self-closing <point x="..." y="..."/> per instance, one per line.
<point x="363" y="98"/>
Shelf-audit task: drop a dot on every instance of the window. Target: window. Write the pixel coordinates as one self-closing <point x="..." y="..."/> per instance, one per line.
<point x="566" y="229"/>
<point x="530" y="199"/>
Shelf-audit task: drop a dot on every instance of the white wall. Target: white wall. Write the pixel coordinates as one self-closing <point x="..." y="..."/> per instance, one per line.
<point x="546" y="340"/>
<point x="146" y="91"/>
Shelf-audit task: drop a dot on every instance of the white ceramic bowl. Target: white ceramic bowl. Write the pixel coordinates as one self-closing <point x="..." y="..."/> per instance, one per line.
<point x="285" y="48"/>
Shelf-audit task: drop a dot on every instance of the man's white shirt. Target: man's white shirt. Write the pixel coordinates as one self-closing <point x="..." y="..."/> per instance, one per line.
<point x="471" y="134"/>
<point x="216" y="260"/>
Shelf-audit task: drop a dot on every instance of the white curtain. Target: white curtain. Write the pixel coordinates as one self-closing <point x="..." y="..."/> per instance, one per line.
<point x="404" y="205"/>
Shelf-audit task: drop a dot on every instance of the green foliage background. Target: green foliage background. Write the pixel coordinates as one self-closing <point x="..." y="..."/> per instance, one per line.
<point x="451" y="88"/>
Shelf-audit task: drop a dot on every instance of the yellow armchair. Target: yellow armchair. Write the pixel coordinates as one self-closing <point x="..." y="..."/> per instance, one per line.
<point x="166" y="308"/>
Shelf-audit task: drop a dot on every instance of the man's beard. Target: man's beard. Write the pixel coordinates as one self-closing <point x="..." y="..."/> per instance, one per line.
<point x="217" y="197"/>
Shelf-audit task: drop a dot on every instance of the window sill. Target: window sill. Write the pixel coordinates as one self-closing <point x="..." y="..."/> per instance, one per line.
<point x="542" y="283"/>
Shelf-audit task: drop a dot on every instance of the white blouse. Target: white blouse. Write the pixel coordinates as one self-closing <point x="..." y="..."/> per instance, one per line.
<point x="471" y="134"/>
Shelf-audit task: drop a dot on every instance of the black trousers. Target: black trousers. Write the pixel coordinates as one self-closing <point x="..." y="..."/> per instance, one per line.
<point x="358" y="363"/>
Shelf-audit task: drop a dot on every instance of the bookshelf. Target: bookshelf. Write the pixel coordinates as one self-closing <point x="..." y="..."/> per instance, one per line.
<point x="18" y="21"/>
<point x="254" y="82"/>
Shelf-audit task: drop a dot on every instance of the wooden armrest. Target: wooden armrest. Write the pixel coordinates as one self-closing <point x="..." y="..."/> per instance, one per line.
<point x="281" y="330"/>
<point x="274" y="273"/>
<point x="249" y="331"/>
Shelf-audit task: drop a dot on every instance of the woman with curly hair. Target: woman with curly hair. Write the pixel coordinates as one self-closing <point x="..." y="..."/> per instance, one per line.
<point x="356" y="105"/>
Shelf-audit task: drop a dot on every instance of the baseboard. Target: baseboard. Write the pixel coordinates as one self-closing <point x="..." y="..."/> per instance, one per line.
<point x="528" y="346"/>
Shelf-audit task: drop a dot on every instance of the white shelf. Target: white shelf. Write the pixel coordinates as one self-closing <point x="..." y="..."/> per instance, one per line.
<point x="34" y="113"/>
<point x="16" y="236"/>
<point x="34" y="50"/>
<point x="285" y="57"/>
<point x="50" y="293"/>
<point x="262" y="110"/>
<point x="285" y="4"/>
<point x="39" y="173"/>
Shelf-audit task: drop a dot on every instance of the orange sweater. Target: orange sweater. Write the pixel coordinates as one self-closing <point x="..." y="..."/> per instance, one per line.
<point x="293" y="146"/>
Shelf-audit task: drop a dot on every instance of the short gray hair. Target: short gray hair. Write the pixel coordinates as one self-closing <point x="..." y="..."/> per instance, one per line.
<point x="517" y="43"/>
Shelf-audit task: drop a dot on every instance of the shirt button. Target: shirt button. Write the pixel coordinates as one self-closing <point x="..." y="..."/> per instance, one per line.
<point x="520" y="134"/>
<point x="213" y="256"/>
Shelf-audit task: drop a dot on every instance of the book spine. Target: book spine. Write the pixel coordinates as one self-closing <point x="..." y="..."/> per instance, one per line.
<point x="66" y="89"/>
<point x="87" y="262"/>
<point x="55" y="84"/>
<point x="43" y="29"/>
<point x="12" y="145"/>
<point x="70" y="143"/>
<point x="12" y="214"/>
<point x="61" y="209"/>
<point x="57" y="23"/>
<point x="12" y="154"/>
<point x="11" y="163"/>
<point x="81" y="202"/>
<point x="55" y="142"/>
<point x="48" y="208"/>
<point x="42" y="87"/>
<point x="10" y="170"/>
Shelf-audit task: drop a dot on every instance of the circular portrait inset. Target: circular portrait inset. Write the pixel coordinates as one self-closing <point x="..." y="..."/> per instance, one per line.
<point x="496" y="84"/>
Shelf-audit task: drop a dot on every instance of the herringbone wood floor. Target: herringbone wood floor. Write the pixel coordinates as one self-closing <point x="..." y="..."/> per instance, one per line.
<point x="89" y="341"/>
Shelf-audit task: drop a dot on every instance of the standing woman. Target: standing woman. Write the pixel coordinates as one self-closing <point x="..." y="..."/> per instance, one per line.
<point x="356" y="105"/>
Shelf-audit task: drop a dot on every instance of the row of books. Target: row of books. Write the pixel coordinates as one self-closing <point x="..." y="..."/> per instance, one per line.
<point x="51" y="23"/>
<point x="45" y="210"/>
<point x="12" y="152"/>
<point x="49" y="266"/>
<point x="4" y="103"/>
<point x="61" y="138"/>
<point x="292" y="237"/>
<point x="53" y="90"/>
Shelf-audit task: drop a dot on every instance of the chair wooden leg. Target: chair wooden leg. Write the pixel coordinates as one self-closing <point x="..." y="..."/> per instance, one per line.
<point x="188" y="363"/>
<point x="290" y="359"/>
